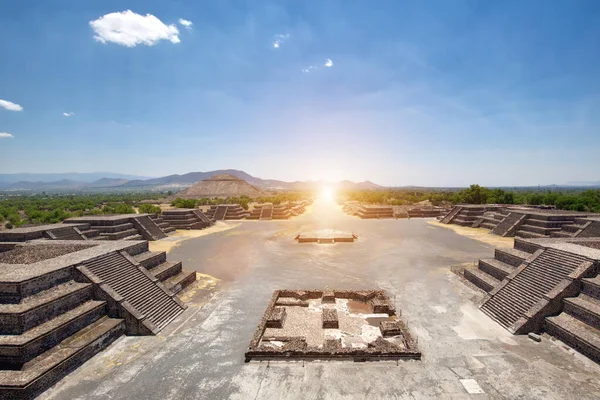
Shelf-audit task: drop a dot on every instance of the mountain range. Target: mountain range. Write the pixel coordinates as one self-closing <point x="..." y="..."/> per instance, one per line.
<point x="101" y="180"/>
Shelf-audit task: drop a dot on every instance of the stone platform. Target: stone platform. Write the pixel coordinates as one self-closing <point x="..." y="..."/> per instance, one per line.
<point x="525" y="222"/>
<point x="63" y="301"/>
<point x="358" y="325"/>
<point x="121" y="226"/>
<point x="326" y="236"/>
<point x="550" y="284"/>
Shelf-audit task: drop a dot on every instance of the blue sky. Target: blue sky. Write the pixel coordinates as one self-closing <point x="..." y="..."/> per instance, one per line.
<point x="437" y="93"/>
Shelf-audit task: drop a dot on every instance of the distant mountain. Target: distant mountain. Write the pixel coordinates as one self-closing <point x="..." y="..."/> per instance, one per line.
<point x="190" y="178"/>
<point x="171" y="182"/>
<point x="583" y="183"/>
<point x="88" y="177"/>
<point x="107" y="183"/>
<point x="62" y="184"/>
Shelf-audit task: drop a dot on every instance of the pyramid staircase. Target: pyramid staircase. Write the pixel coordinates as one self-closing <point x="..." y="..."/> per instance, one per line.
<point x="53" y="321"/>
<point x="120" y="227"/>
<point x="226" y="212"/>
<point x="535" y="289"/>
<point x="162" y="224"/>
<point x="170" y="274"/>
<point x="543" y="226"/>
<point x="578" y="325"/>
<point x="186" y="218"/>
<point x="267" y="213"/>
<point x="491" y="271"/>
<point x="580" y="228"/>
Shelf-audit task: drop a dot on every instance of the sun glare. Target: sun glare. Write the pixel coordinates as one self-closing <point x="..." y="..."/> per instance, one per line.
<point x="327" y="194"/>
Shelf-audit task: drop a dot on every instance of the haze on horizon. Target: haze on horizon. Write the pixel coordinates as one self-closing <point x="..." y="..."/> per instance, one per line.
<point x="405" y="93"/>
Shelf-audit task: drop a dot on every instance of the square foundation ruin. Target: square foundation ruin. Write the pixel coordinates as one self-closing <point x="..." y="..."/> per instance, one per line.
<point x="331" y="325"/>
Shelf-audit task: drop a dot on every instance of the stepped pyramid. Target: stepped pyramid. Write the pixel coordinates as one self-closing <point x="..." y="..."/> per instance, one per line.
<point x="223" y="185"/>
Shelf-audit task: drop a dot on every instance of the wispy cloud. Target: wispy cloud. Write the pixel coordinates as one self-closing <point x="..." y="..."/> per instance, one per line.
<point x="279" y="40"/>
<point x="10" y="106"/>
<point x="130" y="29"/>
<point x="185" y="23"/>
<point x="4" y="135"/>
<point x="328" y="64"/>
<point x="66" y="114"/>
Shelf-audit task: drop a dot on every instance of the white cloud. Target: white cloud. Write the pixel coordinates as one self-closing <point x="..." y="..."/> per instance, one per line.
<point x="184" y="22"/>
<point x="10" y="106"/>
<point x="130" y="29"/>
<point x="6" y="135"/>
<point x="66" y="114"/>
<point x="328" y="63"/>
<point x="279" y="39"/>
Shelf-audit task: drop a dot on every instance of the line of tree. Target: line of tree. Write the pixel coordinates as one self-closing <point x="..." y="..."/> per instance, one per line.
<point x="47" y="209"/>
<point x="563" y="199"/>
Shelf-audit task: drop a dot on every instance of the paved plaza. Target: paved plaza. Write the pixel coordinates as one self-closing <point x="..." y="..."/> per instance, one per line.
<point x="200" y="355"/>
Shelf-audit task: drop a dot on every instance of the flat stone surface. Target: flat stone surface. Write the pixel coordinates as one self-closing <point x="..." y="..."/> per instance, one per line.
<point x="21" y="272"/>
<point x="115" y="217"/>
<point x="201" y="354"/>
<point x="39" y="252"/>
<point x="584" y="246"/>
<point x="37" y="228"/>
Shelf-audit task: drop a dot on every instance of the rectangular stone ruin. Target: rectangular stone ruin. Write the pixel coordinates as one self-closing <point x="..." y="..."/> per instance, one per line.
<point x="375" y="212"/>
<point x="331" y="325"/>
<point x="323" y="236"/>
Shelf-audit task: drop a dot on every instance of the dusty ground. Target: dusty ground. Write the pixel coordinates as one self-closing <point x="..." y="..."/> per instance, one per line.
<point x="201" y="354"/>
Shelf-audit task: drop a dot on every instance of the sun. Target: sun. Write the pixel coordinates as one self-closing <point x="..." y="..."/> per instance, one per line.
<point x="327" y="194"/>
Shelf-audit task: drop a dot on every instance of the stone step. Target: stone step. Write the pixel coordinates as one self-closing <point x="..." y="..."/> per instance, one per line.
<point x="166" y="270"/>
<point x="136" y="287"/>
<point x="120" y="234"/>
<point x="42" y="306"/>
<point x="150" y="259"/>
<point x="584" y="308"/>
<point x="561" y="234"/>
<point x="168" y="229"/>
<point x="529" y="235"/>
<point x="481" y="279"/>
<point x="51" y="366"/>
<point x="113" y="228"/>
<point x="538" y="229"/>
<point x="488" y="225"/>
<point x="91" y="233"/>
<point x="496" y="268"/>
<point x="544" y="223"/>
<point x="512" y="257"/>
<point x="178" y="282"/>
<point x="576" y="334"/>
<point x="134" y="237"/>
<point x="18" y="349"/>
<point x="573" y="227"/>
<point x="525" y="246"/>
<point x="591" y="287"/>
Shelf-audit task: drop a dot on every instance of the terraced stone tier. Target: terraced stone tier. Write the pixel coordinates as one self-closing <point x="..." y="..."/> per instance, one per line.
<point x="517" y="296"/>
<point x="49" y="367"/>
